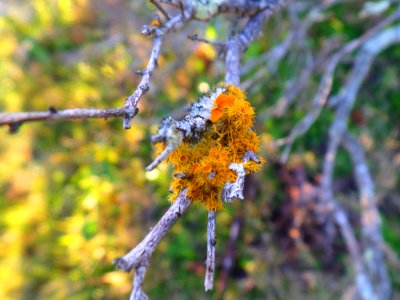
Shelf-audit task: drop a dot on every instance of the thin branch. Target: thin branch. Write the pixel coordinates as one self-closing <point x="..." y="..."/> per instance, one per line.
<point x="144" y="85"/>
<point x="195" y="37"/>
<point x="143" y="251"/>
<point x="160" y="8"/>
<point x="370" y="219"/>
<point x="210" y="261"/>
<point x="325" y="85"/>
<point x="272" y="59"/>
<point x="219" y="46"/>
<point x="276" y="54"/>
<point x="250" y="8"/>
<point x="347" y="96"/>
<point x="240" y="8"/>
<point x="173" y="3"/>
<point x="159" y="159"/>
<point x="58" y="115"/>
<point x="391" y="255"/>
<point x="137" y="292"/>
<point x="238" y="43"/>
<point x="296" y="85"/>
<point x="363" y="282"/>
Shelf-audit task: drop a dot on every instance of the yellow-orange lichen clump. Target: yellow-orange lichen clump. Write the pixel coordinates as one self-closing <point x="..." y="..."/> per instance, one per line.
<point x="205" y="163"/>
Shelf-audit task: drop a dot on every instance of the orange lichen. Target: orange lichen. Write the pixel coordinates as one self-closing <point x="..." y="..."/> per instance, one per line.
<point x="224" y="101"/>
<point x="207" y="169"/>
<point x="205" y="162"/>
<point x="155" y="22"/>
<point x="216" y="114"/>
<point x="196" y="166"/>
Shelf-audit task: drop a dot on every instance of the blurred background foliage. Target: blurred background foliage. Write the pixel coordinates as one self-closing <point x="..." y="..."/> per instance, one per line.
<point x="74" y="195"/>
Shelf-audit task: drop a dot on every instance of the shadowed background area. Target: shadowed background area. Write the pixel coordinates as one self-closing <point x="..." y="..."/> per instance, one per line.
<point x="74" y="195"/>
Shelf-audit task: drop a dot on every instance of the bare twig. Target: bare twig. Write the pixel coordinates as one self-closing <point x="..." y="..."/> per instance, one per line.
<point x="276" y="54"/>
<point x="363" y="282"/>
<point x="272" y="59"/>
<point x="210" y="261"/>
<point x="238" y="43"/>
<point x="391" y="255"/>
<point x="132" y="101"/>
<point x="250" y="8"/>
<point x="160" y="8"/>
<point x="142" y="252"/>
<point x="325" y="85"/>
<point x="238" y="7"/>
<point x="137" y="292"/>
<point x="219" y="46"/>
<point x="295" y="86"/>
<point x="159" y="159"/>
<point x="347" y="96"/>
<point x="174" y="3"/>
<point x="195" y="37"/>
<point x="370" y="219"/>
<point x="58" y="115"/>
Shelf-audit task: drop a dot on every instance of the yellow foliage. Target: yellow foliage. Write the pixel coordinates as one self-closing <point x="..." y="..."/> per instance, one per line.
<point x="42" y="11"/>
<point x="205" y="51"/>
<point x="205" y="164"/>
<point x="9" y="44"/>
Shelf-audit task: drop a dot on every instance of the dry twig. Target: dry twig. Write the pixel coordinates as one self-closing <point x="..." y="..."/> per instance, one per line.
<point x="338" y="128"/>
<point x="370" y="220"/>
<point x="325" y="85"/>
<point x="210" y="261"/>
<point x="59" y="115"/>
<point x="132" y="101"/>
<point x="160" y="8"/>
<point x="139" y="257"/>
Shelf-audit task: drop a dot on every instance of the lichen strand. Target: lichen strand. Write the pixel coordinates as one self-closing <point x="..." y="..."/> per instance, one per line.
<point x="203" y="167"/>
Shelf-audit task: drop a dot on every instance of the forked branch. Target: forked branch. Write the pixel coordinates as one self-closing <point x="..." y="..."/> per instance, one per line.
<point x="139" y="257"/>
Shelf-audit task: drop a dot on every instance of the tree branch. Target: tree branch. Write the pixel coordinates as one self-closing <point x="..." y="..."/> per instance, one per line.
<point x="270" y="60"/>
<point x="370" y="220"/>
<point x="137" y="292"/>
<point x="57" y="115"/>
<point x="238" y="43"/>
<point x="142" y="252"/>
<point x="362" y="280"/>
<point x="139" y="257"/>
<point x="144" y="85"/>
<point x="160" y="8"/>
<point x="325" y="85"/>
<point x="347" y="96"/>
<point x="210" y="261"/>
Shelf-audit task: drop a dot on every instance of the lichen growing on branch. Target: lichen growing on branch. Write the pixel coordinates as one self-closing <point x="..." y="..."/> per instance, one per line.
<point x="204" y="161"/>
